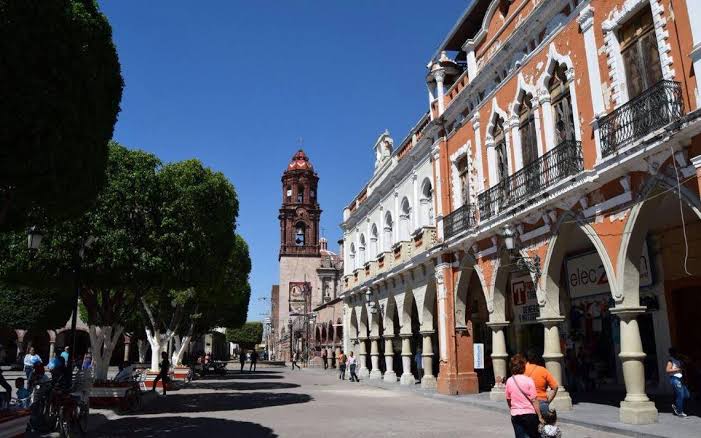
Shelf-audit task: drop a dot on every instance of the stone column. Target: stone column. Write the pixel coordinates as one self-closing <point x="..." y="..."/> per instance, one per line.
<point x="330" y="358"/>
<point x="439" y="76"/>
<point x="637" y="407"/>
<point x="362" y="357"/>
<point x="375" y="373"/>
<point x="499" y="357"/>
<point x="390" y="375"/>
<point x="552" y="354"/>
<point x="127" y="345"/>
<point x="428" y="381"/>
<point x="407" y="378"/>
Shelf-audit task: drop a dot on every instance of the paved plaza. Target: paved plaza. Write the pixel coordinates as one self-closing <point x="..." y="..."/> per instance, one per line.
<point x="306" y="403"/>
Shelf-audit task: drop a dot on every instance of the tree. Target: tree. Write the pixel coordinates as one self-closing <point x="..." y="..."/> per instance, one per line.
<point x="30" y="308"/>
<point x="250" y="334"/>
<point x="61" y="86"/>
<point x="225" y="304"/>
<point x="112" y="269"/>
<point x="196" y="219"/>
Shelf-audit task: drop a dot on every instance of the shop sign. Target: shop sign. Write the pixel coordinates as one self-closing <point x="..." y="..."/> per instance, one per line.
<point x="478" y="350"/>
<point x="586" y="274"/>
<point x="524" y="300"/>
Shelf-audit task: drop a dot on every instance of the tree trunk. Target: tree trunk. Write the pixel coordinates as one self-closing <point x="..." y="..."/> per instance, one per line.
<point x="103" y="339"/>
<point x="181" y="346"/>
<point x="141" y="345"/>
<point x="159" y="343"/>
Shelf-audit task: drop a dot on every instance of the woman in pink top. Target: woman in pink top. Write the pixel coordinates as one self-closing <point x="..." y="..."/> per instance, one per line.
<point x="521" y="398"/>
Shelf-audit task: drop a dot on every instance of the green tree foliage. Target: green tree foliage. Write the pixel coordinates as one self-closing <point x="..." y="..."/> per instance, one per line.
<point x="29" y="308"/>
<point x="247" y="336"/>
<point x="61" y="86"/>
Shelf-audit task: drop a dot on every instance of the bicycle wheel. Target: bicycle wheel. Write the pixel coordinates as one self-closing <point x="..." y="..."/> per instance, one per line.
<point x="82" y="417"/>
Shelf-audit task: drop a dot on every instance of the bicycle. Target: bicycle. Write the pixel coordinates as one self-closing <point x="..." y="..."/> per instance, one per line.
<point x="132" y="396"/>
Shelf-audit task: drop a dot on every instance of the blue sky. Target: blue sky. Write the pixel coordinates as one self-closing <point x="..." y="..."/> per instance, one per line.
<point x="236" y="84"/>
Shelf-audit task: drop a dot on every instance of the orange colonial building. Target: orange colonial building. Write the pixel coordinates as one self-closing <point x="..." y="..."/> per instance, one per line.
<point x="566" y="153"/>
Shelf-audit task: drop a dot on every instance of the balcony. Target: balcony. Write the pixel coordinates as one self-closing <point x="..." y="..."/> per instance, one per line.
<point x="461" y="219"/>
<point x="563" y="161"/>
<point x="657" y="107"/>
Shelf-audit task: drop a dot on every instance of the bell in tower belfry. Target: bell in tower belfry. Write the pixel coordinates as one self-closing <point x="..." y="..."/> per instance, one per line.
<point x="300" y="212"/>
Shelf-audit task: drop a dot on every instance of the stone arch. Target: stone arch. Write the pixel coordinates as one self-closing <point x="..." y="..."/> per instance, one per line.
<point x="391" y="318"/>
<point x="319" y="333"/>
<point x="354" y="328"/>
<point x="374" y="239"/>
<point x="362" y="248"/>
<point x="637" y="227"/>
<point x="522" y="88"/>
<point x="468" y="269"/>
<point x="363" y="326"/>
<point x="497" y="297"/>
<point x="405" y="310"/>
<point x="375" y="323"/>
<point x="404" y="219"/>
<point x="567" y="230"/>
<point x="338" y="331"/>
<point x="497" y="113"/>
<point x="387" y="229"/>
<point x="429" y="311"/>
<point x="426" y="217"/>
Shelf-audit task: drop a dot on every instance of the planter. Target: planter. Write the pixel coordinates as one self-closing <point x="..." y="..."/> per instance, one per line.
<point x="180" y="373"/>
<point x="108" y="394"/>
<point x="151" y="376"/>
<point x="13" y="423"/>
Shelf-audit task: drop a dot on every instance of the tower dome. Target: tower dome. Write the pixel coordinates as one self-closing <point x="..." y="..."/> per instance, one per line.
<point x="300" y="161"/>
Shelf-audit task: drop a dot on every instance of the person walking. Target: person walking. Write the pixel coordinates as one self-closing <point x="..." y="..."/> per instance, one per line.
<point x="242" y="359"/>
<point x="295" y="359"/>
<point x="87" y="361"/>
<point x="254" y="359"/>
<point x="29" y="360"/>
<point x="342" y="359"/>
<point x="521" y="398"/>
<point x="66" y="355"/>
<point x="542" y="379"/>
<point x="352" y="363"/>
<point x="675" y="371"/>
<point x="418" y="358"/>
<point x="325" y="358"/>
<point x="163" y="369"/>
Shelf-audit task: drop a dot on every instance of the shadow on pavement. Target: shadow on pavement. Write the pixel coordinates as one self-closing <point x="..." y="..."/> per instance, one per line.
<point x="181" y="427"/>
<point x="242" y="376"/>
<point x="240" y="386"/>
<point x="213" y="402"/>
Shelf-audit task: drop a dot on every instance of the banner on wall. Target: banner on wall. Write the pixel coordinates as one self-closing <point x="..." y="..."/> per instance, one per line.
<point x="478" y="356"/>
<point x="586" y="274"/>
<point x="524" y="299"/>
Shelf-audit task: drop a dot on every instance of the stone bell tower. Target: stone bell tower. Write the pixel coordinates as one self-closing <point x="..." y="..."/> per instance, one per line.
<point x="300" y="212"/>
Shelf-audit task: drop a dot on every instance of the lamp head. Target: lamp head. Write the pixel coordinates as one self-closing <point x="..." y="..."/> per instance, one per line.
<point x="509" y="238"/>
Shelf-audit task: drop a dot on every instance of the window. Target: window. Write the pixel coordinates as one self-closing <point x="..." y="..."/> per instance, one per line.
<point x="526" y="127"/>
<point x="352" y="256"/>
<point x="288" y="194"/>
<point x="361" y="250"/>
<point x="300" y="194"/>
<point x="299" y="235"/>
<point x="427" y="201"/>
<point x="639" y="50"/>
<point x="389" y="223"/>
<point x="500" y="147"/>
<point x="561" y="104"/>
<point x="462" y="174"/>
<point x="405" y="220"/>
<point x="373" y="241"/>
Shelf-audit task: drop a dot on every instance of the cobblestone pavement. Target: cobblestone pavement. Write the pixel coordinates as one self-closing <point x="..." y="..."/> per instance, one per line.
<point x="282" y="403"/>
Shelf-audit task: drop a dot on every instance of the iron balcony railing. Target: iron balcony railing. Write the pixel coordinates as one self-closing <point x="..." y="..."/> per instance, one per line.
<point x="561" y="162"/>
<point x="461" y="219"/>
<point x="658" y="106"/>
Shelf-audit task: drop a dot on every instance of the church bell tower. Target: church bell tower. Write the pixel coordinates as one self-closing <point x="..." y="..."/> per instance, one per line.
<point x="300" y="212"/>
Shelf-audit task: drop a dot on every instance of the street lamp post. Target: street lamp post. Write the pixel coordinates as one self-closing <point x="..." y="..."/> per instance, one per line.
<point x="290" y="336"/>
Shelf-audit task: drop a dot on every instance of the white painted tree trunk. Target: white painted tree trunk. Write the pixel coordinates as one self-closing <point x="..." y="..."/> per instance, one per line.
<point x="141" y="345"/>
<point x="103" y="339"/>
<point x="159" y="343"/>
<point x="181" y="346"/>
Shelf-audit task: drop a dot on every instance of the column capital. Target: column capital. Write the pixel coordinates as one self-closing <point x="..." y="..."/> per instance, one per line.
<point x="427" y="332"/>
<point x="627" y="313"/>
<point x="550" y="321"/>
<point x="362" y="338"/>
<point x="496" y="325"/>
<point x="375" y="338"/>
<point x="406" y="335"/>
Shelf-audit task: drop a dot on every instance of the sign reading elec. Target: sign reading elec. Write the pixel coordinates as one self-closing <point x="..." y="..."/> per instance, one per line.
<point x="586" y="274"/>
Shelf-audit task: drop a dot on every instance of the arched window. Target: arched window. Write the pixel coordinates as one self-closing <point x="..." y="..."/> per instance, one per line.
<point x="361" y="251"/>
<point x="526" y="128"/>
<point x="427" y="202"/>
<point x="288" y="194"/>
<point x="352" y="257"/>
<point x="389" y="224"/>
<point x="462" y="174"/>
<point x="639" y="50"/>
<point x="300" y="194"/>
<point x="404" y="220"/>
<point x="373" y="241"/>
<point x="500" y="149"/>
<point x="562" y="105"/>
<point x="300" y="234"/>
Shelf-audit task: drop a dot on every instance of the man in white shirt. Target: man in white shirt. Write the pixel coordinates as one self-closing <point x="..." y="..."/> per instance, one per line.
<point x="29" y="360"/>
